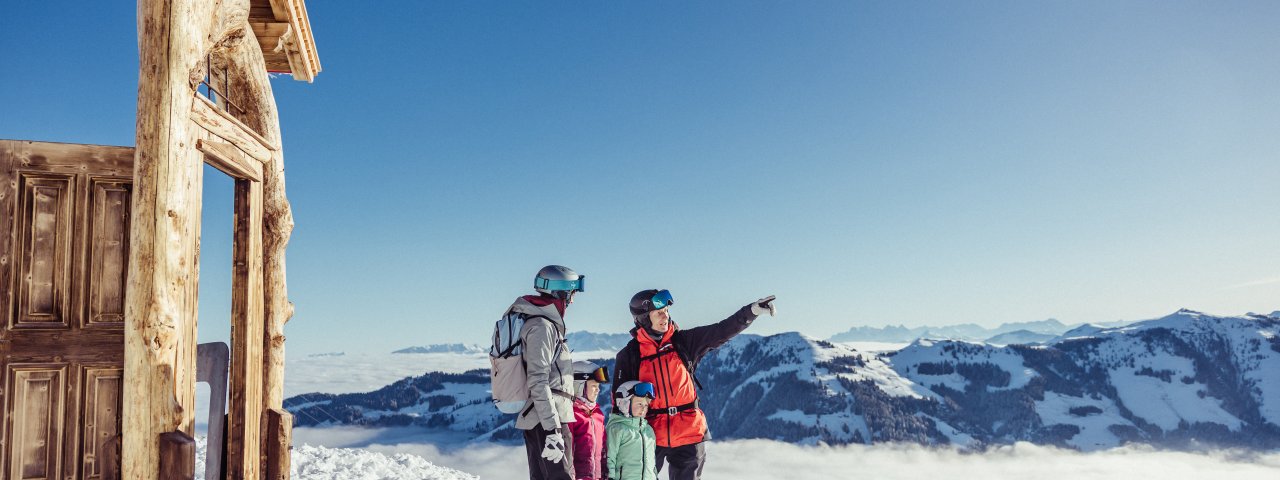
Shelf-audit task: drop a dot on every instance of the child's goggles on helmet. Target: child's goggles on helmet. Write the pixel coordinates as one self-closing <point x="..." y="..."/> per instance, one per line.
<point x="600" y="375"/>
<point x="643" y="389"/>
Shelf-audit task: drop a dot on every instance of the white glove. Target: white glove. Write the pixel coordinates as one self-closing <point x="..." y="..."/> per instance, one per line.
<point x="554" y="451"/>
<point x="764" y="305"/>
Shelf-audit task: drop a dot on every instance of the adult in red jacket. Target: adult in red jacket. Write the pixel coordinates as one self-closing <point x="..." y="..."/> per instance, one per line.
<point x="666" y="356"/>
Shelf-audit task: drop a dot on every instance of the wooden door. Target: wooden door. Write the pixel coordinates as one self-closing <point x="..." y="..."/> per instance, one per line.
<point x="64" y="249"/>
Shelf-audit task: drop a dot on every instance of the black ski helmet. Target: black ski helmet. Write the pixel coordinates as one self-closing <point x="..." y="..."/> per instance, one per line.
<point x="641" y="304"/>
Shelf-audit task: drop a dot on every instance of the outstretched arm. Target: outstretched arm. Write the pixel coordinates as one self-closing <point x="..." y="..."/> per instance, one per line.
<point x="699" y="341"/>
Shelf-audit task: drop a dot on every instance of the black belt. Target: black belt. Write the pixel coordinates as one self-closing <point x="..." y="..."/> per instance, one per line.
<point x="672" y="411"/>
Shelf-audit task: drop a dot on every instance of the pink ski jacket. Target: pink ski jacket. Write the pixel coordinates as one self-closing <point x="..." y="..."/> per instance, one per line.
<point x="588" y="440"/>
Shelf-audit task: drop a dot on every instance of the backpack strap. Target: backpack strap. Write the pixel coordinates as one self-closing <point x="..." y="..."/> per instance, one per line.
<point x="554" y="392"/>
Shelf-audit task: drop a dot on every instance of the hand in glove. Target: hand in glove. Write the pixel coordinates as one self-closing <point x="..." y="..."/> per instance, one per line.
<point x="554" y="451"/>
<point x="764" y="305"/>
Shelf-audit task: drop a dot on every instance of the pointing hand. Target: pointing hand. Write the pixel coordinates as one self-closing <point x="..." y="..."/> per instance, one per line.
<point x="764" y="305"/>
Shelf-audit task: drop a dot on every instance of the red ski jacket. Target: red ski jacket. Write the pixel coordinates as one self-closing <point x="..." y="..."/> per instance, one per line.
<point x="668" y="363"/>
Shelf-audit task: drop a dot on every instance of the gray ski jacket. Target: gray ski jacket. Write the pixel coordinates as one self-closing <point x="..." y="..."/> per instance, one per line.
<point x="547" y="365"/>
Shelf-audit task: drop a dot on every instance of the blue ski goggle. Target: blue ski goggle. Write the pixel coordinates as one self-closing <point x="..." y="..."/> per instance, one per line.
<point x="662" y="300"/>
<point x="642" y="389"/>
<point x="579" y="285"/>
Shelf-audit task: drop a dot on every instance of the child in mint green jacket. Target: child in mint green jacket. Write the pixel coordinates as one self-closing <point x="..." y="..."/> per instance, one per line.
<point x="630" y="449"/>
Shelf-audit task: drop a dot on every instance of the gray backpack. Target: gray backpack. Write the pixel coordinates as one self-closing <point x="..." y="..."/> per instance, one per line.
<point x="507" y="378"/>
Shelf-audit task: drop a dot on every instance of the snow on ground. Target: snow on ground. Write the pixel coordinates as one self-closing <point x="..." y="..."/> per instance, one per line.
<point x="907" y="362"/>
<point x="1093" y="416"/>
<point x="875" y="347"/>
<point x="309" y="462"/>
<point x="766" y="459"/>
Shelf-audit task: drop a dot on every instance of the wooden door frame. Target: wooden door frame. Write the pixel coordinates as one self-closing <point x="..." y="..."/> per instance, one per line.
<point x="179" y="131"/>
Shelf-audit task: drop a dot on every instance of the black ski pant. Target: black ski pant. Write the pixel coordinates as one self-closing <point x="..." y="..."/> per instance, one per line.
<point x="686" y="461"/>
<point x="535" y="439"/>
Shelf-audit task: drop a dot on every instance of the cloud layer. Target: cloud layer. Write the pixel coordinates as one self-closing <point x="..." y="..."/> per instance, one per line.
<point x="765" y="459"/>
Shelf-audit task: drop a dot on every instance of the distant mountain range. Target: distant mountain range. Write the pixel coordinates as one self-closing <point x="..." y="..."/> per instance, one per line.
<point x="445" y="348"/>
<point x="968" y="331"/>
<point x="578" y="342"/>
<point x="1187" y="380"/>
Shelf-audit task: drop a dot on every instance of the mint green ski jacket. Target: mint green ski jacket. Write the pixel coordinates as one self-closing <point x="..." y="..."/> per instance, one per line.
<point x="630" y="449"/>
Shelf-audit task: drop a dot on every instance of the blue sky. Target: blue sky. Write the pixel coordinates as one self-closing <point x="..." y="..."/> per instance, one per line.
<point x="869" y="163"/>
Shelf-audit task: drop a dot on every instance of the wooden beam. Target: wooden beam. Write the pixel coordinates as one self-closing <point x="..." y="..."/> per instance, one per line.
<point x="217" y="122"/>
<point x="269" y="29"/>
<point x="161" y="291"/>
<point x="230" y="160"/>
<point x="177" y="456"/>
<point x="279" y="439"/>
<point x="244" y="412"/>
<point x="298" y="44"/>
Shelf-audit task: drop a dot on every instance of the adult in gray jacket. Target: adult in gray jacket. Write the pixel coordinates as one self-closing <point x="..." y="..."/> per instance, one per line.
<point x="547" y="441"/>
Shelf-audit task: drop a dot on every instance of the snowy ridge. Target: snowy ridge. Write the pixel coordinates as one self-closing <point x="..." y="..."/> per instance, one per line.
<point x="1183" y="381"/>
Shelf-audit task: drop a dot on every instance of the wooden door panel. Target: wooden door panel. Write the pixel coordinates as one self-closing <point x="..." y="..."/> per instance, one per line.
<point x="108" y="251"/>
<point x="101" y="414"/>
<point x="37" y="402"/>
<point x="44" y="259"/>
<point x="64" y="248"/>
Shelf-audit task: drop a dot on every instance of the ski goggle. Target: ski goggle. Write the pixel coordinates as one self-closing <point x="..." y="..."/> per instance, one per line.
<point x="662" y="300"/>
<point x="579" y="285"/>
<point x="600" y="375"/>
<point x="642" y="389"/>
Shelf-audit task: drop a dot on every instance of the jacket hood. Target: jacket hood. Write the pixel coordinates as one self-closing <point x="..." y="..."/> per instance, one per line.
<point x="544" y="300"/>
<point x="536" y="305"/>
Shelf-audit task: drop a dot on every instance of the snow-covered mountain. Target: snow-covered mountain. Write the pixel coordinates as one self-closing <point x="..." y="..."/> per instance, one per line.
<point x="445" y="348"/>
<point x="595" y="342"/>
<point x="1184" y="380"/>
<point x="1024" y="337"/>
<point x="968" y="331"/>
<point x="578" y="342"/>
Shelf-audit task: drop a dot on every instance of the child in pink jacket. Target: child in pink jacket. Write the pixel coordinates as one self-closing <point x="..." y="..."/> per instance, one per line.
<point x="588" y="421"/>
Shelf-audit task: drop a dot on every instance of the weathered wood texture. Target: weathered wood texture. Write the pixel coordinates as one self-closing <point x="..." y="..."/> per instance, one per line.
<point x="261" y="115"/>
<point x="284" y="33"/>
<point x="229" y="129"/>
<point x="61" y="335"/>
<point x="230" y="160"/>
<point x="245" y="408"/>
<point x="174" y="38"/>
<point x="278" y="437"/>
<point x="177" y="456"/>
<point x="110" y="461"/>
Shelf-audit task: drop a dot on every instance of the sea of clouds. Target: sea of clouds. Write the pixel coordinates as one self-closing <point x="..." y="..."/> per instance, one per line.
<point x="765" y="459"/>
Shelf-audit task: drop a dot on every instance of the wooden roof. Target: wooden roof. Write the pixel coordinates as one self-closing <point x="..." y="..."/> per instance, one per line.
<point x="284" y="32"/>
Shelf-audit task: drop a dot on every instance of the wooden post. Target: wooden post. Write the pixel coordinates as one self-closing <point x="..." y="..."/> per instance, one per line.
<point x="160" y="295"/>
<point x="177" y="456"/>
<point x="278" y="226"/>
<point x="244" y="411"/>
<point x="278" y="438"/>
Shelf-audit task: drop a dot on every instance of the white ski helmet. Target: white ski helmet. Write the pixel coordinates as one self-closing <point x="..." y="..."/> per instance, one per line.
<point x="583" y="371"/>
<point x="627" y="391"/>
